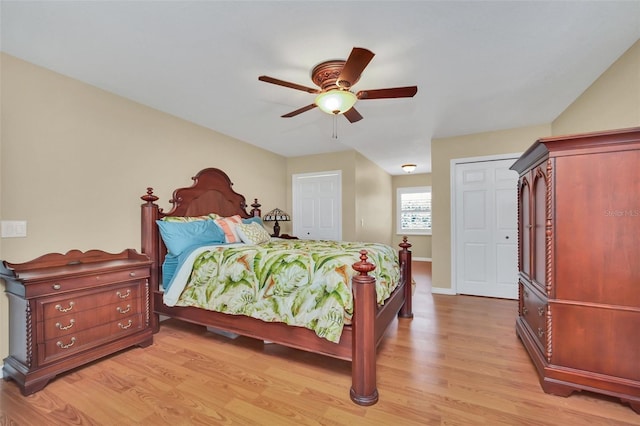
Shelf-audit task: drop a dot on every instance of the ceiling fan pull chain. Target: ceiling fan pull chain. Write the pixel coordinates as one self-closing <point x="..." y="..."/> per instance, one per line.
<point x="334" y="135"/>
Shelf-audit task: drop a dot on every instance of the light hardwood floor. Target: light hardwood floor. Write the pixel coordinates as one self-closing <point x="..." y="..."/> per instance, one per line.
<point x="458" y="362"/>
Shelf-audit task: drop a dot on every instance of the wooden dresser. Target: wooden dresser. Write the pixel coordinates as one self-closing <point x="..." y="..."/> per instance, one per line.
<point x="579" y="261"/>
<point x="67" y="310"/>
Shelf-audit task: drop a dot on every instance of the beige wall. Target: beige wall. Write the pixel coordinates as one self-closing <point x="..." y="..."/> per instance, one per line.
<point x="75" y="161"/>
<point x="374" y="202"/>
<point x="442" y="152"/>
<point x="421" y="244"/>
<point x="611" y="102"/>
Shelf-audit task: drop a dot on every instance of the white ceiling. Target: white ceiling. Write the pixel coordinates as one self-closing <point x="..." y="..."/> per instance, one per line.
<point x="479" y="65"/>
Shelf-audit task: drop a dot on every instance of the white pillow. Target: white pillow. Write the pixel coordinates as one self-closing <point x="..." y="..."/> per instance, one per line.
<point x="252" y="233"/>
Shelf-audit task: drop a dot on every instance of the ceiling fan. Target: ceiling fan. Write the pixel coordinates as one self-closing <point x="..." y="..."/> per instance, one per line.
<point x="335" y="79"/>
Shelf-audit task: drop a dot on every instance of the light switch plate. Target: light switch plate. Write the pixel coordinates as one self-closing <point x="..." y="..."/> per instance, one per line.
<point x="13" y="228"/>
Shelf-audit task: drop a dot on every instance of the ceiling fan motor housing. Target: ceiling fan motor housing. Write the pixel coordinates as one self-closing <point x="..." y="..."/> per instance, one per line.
<point x="325" y="75"/>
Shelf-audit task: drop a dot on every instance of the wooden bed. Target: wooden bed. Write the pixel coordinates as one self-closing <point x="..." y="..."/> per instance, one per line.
<point x="212" y="191"/>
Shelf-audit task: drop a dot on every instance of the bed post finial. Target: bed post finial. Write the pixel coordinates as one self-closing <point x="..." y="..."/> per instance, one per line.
<point x="149" y="197"/>
<point x="363" y="267"/>
<point x="255" y="211"/>
<point x="405" y="244"/>
<point x="363" y="344"/>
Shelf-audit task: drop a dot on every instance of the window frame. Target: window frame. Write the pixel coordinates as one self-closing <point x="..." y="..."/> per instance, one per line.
<point x="400" y="191"/>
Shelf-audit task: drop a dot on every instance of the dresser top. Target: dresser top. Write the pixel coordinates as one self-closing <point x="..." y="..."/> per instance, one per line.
<point x="74" y="262"/>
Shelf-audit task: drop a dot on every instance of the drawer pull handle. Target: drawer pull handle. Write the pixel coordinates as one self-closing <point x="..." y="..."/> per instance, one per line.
<point x="66" y="327"/>
<point x="123" y="311"/>
<point x="56" y="286"/>
<point x="540" y="332"/>
<point x="124" y="327"/>
<point x="124" y="296"/>
<point x="63" y="346"/>
<point x="525" y="311"/>
<point x="132" y="274"/>
<point x="540" y="310"/>
<point x="61" y="309"/>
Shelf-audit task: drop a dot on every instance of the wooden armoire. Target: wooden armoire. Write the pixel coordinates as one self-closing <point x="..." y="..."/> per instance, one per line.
<point x="579" y="262"/>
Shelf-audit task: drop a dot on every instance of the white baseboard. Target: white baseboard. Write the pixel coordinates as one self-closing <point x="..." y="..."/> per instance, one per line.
<point x="440" y="290"/>
<point x="421" y="259"/>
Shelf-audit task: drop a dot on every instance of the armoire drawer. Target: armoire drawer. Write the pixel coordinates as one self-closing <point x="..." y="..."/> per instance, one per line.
<point x="602" y="339"/>
<point x="534" y="313"/>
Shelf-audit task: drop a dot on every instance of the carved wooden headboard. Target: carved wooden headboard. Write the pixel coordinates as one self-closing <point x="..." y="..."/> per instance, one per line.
<point x="211" y="192"/>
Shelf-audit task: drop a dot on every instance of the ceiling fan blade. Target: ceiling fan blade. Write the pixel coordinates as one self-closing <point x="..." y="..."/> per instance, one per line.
<point x="299" y="111"/>
<point x="352" y="115"/>
<point x="272" y="80"/>
<point x="393" y="92"/>
<point x="356" y="63"/>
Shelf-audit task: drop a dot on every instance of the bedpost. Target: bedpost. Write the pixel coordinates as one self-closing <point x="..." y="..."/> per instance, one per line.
<point x="149" y="246"/>
<point x="405" y="264"/>
<point x="255" y="211"/>
<point x="363" y="347"/>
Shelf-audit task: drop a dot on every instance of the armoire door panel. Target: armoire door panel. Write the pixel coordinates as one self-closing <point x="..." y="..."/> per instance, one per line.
<point x="597" y="208"/>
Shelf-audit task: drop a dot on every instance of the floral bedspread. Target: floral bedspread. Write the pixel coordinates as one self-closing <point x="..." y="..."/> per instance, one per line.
<point x="299" y="282"/>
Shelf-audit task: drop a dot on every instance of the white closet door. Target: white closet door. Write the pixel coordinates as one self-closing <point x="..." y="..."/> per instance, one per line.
<point x="317" y="205"/>
<point x="485" y="216"/>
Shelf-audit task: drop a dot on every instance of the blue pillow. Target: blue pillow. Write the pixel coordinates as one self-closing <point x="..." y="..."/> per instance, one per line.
<point x="177" y="236"/>
<point x="255" y="219"/>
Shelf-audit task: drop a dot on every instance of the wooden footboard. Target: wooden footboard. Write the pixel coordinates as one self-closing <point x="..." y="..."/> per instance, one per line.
<point x="358" y="341"/>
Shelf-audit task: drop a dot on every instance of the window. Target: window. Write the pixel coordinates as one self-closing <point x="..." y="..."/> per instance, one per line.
<point x="414" y="210"/>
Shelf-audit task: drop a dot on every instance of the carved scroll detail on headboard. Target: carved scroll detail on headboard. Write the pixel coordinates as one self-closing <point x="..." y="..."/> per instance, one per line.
<point x="211" y="192"/>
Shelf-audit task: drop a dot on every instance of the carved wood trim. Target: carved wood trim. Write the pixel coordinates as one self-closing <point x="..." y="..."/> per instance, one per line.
<point x="549" y="254"/>
<point x="29" y="322"/>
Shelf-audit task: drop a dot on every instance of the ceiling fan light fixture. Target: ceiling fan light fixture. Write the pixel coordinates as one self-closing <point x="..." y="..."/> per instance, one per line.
<point x="409" y="167"/>
<point x="336" y="101"/>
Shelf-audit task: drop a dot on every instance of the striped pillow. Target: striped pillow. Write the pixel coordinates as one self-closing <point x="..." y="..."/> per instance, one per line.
<point x="228" y="226"/>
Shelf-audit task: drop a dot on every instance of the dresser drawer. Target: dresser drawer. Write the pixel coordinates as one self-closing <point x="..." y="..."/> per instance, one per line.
<point x="75" y="322"/>
<point x="54" y="307"/>
<point x="534" y="313"/>
<point x="58" y="286"/>
<point x="71" y="343"/>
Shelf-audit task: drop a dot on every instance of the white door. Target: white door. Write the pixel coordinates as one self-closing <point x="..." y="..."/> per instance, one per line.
<point x="486" y="246"/>
<point x="317" y="205"/>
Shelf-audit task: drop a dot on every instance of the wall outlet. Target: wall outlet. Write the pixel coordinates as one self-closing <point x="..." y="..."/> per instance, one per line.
<point x="13" y="228"/>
